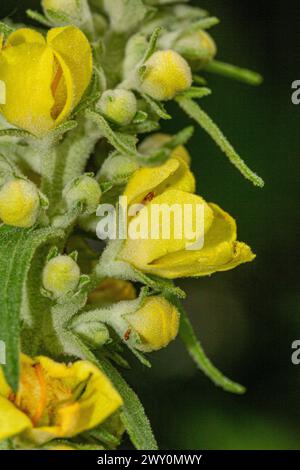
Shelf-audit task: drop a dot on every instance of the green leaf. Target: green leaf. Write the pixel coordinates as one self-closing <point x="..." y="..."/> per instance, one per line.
<point x="17" y="248"/>
<point x="234" y="72"/>
<point x="204" y="23"/>
<point x="156" y="107"/>
<point x="193" y="110"/>
<point x="195" y="92"/>
<point x="152" y="44"/>
<point x="133" y="416"/>
<point x="5" y="29"/>
<point x="197" y="353"/>
<point x="123" y="143"/>
<point x="16" y="133"/>
<point x="34" y="15"/>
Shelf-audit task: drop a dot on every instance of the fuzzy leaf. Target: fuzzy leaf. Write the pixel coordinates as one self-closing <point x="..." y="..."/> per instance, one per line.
<point x="197" y="353"/>
<point x="17" y="248"/>
<point x="193" y="110"/>
<point x="123" y="143"/>
<point x="133" y="416"/>
<point x="156" y="107"/>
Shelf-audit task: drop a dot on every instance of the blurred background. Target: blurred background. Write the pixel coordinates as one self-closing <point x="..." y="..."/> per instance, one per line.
<point x="248" y="318"/>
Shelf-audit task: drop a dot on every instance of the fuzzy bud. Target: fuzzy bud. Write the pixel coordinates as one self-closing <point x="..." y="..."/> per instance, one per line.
<point x="198" y="48"/>
<point x="76" y="10"/>
<point x="95" y="334"/>
<point x="61" y="275"/>
<point x="156" y="322"/>
<point x="117" y="168"/>
<point x="19" y="203"/>
<point x="84" y="189"/>
<point x="119" y="106"/>
<point x="166" y="75"/>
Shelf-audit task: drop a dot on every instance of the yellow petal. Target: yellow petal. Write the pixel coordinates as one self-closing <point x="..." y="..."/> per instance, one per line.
<point x="25" y="35"/>
<point x="221" y="251"/>
<point x="73" y="53"/>
<point x="26" y="67"/>
<point x="173" y="174"/>
<point x="98" y="401"/>
<point x="170" y="259"/>
<point x="12" y="420"/>
<point x="160" y="238"/>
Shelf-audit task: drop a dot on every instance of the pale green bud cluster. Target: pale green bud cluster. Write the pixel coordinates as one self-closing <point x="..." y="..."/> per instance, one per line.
<point x="119" y="106"/>
<point x="117" y="167"/>
<point x="61" y="275"/>
<point x="85" y="190"/>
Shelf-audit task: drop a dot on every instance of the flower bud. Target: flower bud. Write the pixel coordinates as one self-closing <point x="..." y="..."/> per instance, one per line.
<point x="117" y="168"/>
<point x="19" y="203"/>
<point x="119" y="106"/>
<point x="167" y="73"/>
<point x="61" y="275"/>
<point x="77" y="10"/>
<point x="84" y="189"/>
<point x="198" y="48"/>
<point x="156" y="322"/>
<point x="69" y="7"/>
<point x="95" y="334"/>
<point x="155" y="141"/>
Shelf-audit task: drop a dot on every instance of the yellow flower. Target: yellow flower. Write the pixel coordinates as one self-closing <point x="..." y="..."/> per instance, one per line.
<point x="147" y="183"/>
<point x="19" y="203"/>
<point x="157" y="140"/>
<point x="61" y="275"/>
<point x="156" y="322"/>
<point x="173" y="258"/>
<point x="166" y="75"/>
<point x="44" y="78"/>
<point x="55" y="400"/>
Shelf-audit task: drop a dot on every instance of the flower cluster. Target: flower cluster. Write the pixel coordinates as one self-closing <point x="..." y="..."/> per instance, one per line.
<point x="84" y="98"/>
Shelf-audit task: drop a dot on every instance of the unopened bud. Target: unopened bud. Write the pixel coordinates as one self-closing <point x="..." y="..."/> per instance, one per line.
<point x="95" y="334"/>
<point x="19" y="203"/>
<point x="156" y="322"/>
<point x="166" y="75"/>
<point x="197" y="48"/>
<point x="117" y="168"/>
<point x="119" y="106"/>
<point x="61" y="275"/>
<point x="72" y="8"/>
<point x="86" y="190"/>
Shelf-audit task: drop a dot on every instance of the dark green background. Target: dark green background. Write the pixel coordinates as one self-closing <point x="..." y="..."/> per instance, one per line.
<point x="247" y="318"/>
